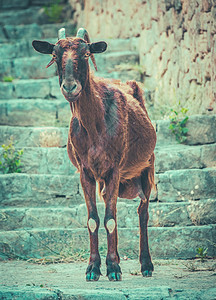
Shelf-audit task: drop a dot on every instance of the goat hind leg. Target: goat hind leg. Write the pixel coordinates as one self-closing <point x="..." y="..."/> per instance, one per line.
<point x="145" y="258"/>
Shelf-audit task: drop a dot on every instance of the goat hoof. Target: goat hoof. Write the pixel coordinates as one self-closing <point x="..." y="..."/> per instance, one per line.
<point x="92" y="273"/>
<point x="114" y="272"/>
<point x="91" y="276"/>
<point x="115" y="276"/>
<point x="147" y="268"/>
<point x="147" y="273"/>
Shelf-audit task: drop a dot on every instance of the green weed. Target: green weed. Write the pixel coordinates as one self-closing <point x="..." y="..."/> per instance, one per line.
<point x="7" y="79"/>
<point x="54" y="11"/>
<point x="178" y="120"/>
<point x="11" y="162"/>
<point x="201" y="253"/>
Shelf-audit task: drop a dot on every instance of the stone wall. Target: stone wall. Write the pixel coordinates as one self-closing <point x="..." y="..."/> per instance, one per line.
<point x="177" y="44"/>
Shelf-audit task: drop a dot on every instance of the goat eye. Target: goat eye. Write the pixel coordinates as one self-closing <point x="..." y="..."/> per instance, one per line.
<point x="87" y="54"/>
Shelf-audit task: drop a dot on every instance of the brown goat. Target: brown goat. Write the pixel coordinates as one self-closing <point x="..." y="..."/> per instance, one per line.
<point x="111" y="141"/>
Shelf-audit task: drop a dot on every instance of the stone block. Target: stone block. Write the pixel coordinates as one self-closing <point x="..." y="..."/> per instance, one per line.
<point x="33" y="67"/>
<point x="32" y="89"/>
<point x="51" y="30"/>
<point x="201" y="129"/>
<point x="32" y="293"/>
<point x="31" y="31"/>
<point x="35" y="136"/>
<point x="6" y="68"/>
<point x="184" y="185"/>
<point x="110" y="60"/>
<point x="148" y="39"/>
<point x="58" y="162"/>
<point x="23" y="112"/>
<point x="164" y="134"/>
<point x="37" y="160"/>
<point x="14" y="4"/>
<point x="208" y="155"/>
<point x="34" y="190"/>
<point x="202" y="212"/>
<point x="206" y="5"/>
<point x="202" y="43"/>
<point x="55" y="88"/>
<point x="6" y="90"/>
<point x="177" y="157"/>
<point x="118" y="45"/>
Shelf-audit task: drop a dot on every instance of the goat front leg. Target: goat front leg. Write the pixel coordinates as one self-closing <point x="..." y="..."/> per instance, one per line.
<point x="110" y="198"/>
<point x="89" y="188"/>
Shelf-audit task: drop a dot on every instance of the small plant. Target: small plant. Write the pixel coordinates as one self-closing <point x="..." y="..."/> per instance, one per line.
<point x="201" y="253"/>
<point x="53" y="11"/>
<point x="7" y="79"/>
<point x="11" y="159"/>
<point x="178" y="120"/>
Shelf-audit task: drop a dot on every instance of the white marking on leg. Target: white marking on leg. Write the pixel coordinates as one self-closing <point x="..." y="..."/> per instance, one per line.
<point x="111" y="225"/>
<point x="92" y="225"/>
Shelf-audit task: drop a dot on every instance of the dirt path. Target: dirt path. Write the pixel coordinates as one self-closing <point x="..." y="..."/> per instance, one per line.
<point x="171" y="279"/>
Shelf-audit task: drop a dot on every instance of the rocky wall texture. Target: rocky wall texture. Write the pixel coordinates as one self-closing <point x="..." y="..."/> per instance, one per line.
<point x="177" y="45"/>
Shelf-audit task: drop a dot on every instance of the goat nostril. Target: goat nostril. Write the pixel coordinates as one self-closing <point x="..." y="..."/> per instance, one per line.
<point x="73" y="87"/>
<point x="69" y="88"/>
<point x="65" y="87"/>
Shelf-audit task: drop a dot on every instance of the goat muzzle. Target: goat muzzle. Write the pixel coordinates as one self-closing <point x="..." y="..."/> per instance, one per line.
<point x="71" y="90"/>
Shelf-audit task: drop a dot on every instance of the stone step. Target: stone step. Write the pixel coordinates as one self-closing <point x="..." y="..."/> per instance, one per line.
<point x="27" y="68"/>
<point x="32" y="190"/>
<point x="26" y="89"/>
<point x="102" y="293"/>
<point x="49" y="33"/>
<point x="35" y="112"/>
<point x="153" y="293"/>
<point x="160" y="215"/>
<point x="181" y="185"/>
<point x="201" y="128"/>
<point x="171" y="242"/>
<point x="35" y="67"/>
<point x="178" y="157"/>
<point x="54" y="160"/>
<point x="23" y="16"/>
<point x="43" y="190"/>
<point x="28" y="32"/>
<point x="34" y="136"/>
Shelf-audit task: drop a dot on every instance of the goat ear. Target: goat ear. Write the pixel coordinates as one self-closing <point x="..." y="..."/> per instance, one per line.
<point x="98" y="47"/>
<point x="43" y="47"/>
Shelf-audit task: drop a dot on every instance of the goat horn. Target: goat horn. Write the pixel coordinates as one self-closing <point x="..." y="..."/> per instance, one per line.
<point x="61" y="34"/>
<point x="83" y="34"/>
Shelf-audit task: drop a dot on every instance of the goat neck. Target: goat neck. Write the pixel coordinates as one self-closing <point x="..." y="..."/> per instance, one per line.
<point x="89" y="109"/>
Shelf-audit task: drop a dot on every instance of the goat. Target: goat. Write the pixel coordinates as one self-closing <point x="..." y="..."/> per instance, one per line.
<point x="111" y="141"/>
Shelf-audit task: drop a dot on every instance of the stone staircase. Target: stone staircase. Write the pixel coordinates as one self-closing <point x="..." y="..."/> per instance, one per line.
<point x="43" y="211"/>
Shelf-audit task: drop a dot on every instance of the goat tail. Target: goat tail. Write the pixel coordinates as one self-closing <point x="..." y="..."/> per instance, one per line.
<point x="100" y="190"/>
<point x="136" y="92"/>
<point x="151" y="173"/>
